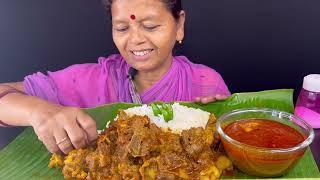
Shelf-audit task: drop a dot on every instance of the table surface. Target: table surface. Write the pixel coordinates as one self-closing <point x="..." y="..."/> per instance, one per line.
<point x="8" y="134"/>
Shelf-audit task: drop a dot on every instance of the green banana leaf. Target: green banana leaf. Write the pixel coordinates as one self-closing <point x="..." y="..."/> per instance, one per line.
<point x="27" y="158"/>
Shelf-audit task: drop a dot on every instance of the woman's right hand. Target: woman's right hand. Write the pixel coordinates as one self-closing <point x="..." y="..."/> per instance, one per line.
<point x="63" y="128"/>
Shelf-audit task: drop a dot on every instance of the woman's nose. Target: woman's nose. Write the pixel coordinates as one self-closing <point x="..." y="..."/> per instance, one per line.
<point x="136" y="36"/>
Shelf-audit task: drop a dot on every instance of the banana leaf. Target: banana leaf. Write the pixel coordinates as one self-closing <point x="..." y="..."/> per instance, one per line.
<point x="27" y="158"/>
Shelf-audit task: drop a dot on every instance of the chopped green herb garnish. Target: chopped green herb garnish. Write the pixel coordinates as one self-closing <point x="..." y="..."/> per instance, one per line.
<point x="165" y="114"/>
<point x="169" y="110"/>
<point x="164" y="109"/>
<point x="155" y="109"/>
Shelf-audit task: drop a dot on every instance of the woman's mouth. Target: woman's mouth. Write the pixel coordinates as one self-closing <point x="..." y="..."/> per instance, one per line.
<point x="141" y="54"/>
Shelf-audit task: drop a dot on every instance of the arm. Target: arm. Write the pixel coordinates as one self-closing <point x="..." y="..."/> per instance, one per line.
<point x="58" y="127"/>
<point x="16" y="107"/>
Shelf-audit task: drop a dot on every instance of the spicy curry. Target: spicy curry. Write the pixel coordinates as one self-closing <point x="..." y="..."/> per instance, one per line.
<point x="259" y="138"/>
<point x="264" y="133"/>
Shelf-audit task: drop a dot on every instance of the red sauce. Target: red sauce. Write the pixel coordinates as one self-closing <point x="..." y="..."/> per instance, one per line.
<point x="264" y="133"/>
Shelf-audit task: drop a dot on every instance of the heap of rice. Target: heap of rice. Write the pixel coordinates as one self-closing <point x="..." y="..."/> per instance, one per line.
<point x="183" y="117"/>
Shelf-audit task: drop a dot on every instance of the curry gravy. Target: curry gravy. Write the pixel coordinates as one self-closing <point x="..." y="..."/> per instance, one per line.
<point x="264" y="133"/>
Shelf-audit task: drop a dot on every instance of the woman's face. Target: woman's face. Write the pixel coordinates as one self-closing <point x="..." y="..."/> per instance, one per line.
<point x="145" y="32"/>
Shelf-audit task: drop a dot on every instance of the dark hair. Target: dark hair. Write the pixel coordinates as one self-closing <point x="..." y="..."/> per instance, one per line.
<point x="174" y="6"/>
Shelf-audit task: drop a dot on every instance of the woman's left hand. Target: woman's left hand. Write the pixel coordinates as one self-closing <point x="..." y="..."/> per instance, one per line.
<point x="209" y="99"/>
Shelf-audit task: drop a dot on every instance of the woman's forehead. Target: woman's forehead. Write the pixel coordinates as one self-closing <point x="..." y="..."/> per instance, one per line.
<point x="135" y="2"/>
<point x="121" y="9"/>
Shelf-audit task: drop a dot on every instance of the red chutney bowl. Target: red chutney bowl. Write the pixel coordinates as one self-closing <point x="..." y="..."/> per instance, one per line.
<point x="264" y="142"/>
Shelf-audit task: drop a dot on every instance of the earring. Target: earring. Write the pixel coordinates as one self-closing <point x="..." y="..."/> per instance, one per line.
<point x="180" y="42"/>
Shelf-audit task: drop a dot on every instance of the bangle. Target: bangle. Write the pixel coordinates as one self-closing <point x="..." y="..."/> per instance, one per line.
<point x="4" y="93"/>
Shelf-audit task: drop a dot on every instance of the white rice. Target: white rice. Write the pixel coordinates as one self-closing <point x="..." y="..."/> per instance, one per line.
<point x="183" y="117"/>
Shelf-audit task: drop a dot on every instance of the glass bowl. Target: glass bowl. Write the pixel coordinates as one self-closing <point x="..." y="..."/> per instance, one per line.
<point x="260" y="161"/>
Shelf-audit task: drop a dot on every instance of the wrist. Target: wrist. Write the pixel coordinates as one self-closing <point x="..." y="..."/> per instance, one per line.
<point x="41" y="110"/>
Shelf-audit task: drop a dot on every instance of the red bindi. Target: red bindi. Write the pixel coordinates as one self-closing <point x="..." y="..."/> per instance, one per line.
<point x="133" y="17"/>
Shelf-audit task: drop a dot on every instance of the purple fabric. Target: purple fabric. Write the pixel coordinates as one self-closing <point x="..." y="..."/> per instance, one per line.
<point x="90" y="85"/>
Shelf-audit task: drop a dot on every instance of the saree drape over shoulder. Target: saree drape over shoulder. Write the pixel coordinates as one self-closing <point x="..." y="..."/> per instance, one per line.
<point x="93" y="84"/>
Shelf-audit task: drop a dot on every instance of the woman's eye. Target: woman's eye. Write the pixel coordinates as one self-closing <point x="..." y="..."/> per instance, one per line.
<point x="150" y="28"/>
<point x="122" y="29"/>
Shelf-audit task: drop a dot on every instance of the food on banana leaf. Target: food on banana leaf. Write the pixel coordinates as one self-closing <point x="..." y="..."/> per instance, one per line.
<point x="141" y="145"/>
<point x="173" y="117"/>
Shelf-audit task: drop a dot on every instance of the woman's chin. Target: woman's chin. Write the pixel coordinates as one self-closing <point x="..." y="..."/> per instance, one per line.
<point x="144" y="68"/>
<point x="142" y="65"/>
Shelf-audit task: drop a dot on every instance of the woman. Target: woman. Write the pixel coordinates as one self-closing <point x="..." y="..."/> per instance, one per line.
<point x="145" y="32"/>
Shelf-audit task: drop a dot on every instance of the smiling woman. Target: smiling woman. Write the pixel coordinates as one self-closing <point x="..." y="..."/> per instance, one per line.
<point x="146" y="43"/>
<point x="145" y="32"/>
